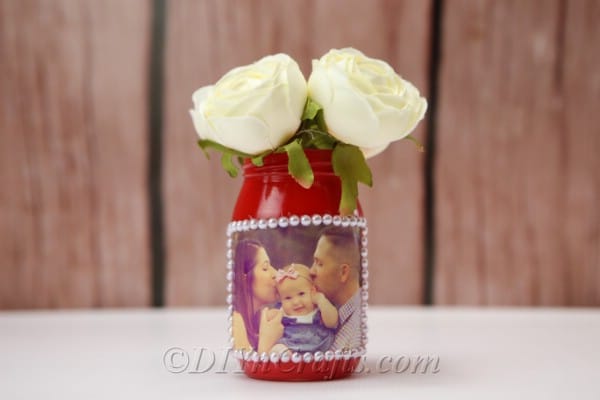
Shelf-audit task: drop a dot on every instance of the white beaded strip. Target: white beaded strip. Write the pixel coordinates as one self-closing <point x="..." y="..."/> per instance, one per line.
<point x="293" y="221"/>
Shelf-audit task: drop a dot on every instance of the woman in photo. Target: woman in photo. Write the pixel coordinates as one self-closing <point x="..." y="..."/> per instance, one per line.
<point x="255" y="325"/>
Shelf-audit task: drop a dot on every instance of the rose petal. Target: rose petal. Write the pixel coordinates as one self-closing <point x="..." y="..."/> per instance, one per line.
<point x="201" y="95"/>
<point x="351" y="119"/>
<point x="396" y="124"/>
<point x="276" y="113"/>
<point x="246" y="134"/>
<point x="319" y="86"/>
<point x="297" y="89"/>
<point x="200" y="125"/>
<point x="373" y="151"/>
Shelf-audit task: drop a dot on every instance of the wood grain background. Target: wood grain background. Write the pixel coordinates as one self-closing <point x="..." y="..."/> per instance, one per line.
<point x="107" y="201"/>
<point x="73" y="128"/>
<point x="518" y="167"/>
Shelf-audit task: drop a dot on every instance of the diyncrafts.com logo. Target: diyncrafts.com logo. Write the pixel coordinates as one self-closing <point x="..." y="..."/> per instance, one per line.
<point x="201" y="360"/>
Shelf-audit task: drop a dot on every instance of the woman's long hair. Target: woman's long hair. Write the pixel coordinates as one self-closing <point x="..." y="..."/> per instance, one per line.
<point x="244" y="261"/>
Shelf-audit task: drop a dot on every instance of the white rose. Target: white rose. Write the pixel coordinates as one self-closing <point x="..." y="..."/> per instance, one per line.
<point x="365" y="103"/>
<point x="253" y="108"/>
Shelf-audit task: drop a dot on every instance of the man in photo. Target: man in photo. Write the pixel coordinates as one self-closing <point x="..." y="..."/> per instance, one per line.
<point x="336" y="273"/>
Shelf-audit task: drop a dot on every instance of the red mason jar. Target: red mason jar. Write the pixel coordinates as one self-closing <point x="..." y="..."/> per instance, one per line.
<point x="297" y="274"/>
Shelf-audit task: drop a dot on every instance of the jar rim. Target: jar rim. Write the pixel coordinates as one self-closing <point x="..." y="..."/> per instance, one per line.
<point x="316" y="157"/>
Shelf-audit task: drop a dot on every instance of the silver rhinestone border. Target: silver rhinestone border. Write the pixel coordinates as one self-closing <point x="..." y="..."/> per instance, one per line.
<point x="247" y="225"/>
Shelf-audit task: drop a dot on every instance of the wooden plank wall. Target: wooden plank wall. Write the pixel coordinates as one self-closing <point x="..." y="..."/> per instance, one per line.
<point x="73" y="127"/>
<point x="518" y="166"/>
<point x="514" y="158"/>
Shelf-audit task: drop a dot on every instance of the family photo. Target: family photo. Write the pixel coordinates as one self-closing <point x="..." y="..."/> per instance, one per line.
<point x="297" y="290"/>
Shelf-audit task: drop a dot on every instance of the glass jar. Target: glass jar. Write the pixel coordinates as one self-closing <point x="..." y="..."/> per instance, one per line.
<point x="297" y="274"/>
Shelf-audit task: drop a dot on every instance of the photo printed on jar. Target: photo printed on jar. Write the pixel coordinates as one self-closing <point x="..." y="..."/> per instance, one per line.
<point x="298" y="285"/>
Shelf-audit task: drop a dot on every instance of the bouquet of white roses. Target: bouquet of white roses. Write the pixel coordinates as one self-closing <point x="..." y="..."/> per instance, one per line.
<point x="352" y="104"/>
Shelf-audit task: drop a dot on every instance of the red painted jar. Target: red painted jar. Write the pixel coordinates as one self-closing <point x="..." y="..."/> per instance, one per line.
<point x="297" y="274"/>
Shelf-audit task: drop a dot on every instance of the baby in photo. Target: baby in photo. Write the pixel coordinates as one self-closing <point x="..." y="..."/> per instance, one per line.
<point x="309" y="318"/>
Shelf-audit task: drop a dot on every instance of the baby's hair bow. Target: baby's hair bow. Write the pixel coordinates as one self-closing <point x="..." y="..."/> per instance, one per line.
<point x="290" y="273"/>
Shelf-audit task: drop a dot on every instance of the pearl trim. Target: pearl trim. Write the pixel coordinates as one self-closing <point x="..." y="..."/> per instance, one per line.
<point x="304" y="221"/>
<point x="298" y="357"/>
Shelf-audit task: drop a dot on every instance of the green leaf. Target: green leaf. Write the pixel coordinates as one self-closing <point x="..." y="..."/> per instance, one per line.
<point x="316" y="139"/>
<point x="298" y="165"/>
<point x="228" y="153"/>
<point x="311" y="109"/>
<point x="209" y="144"/>
<point x="258" y="160"/>
<point x="323" y="141"/>
<point x="320" y="120"/>
<point x="419" y="145"/>
<point x="228" y="165"/>
<point x="350" y="165"/>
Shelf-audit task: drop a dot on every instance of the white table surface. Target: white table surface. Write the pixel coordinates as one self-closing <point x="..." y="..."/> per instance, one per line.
<point x="483" y="354"/>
